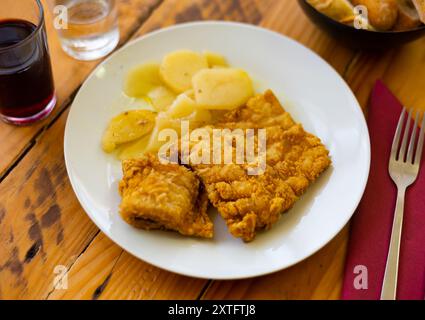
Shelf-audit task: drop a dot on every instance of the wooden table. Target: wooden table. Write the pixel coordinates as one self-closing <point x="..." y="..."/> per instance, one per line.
<point x="43" y="226"/>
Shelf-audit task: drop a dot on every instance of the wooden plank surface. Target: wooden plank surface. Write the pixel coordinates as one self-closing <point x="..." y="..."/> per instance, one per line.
<point x="402" y="69"/>
<point x="68" y="74"/>
<point x="315" y="278"/>
<point x="42" y="224"/>
<point x="37" y="205"/>
<point x="118" y="275"/>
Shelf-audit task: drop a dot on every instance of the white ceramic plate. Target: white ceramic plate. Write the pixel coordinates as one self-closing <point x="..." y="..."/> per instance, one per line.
<point x="309" y="89"/>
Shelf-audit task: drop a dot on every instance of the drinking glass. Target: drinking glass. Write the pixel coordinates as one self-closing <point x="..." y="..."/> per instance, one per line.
<point x="88" y="29"/>
<point x="26" y="83"/>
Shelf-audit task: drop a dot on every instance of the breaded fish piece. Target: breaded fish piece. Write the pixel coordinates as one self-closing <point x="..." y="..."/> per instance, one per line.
<point x="295" y="158"/>
<point x="169" y="197"/>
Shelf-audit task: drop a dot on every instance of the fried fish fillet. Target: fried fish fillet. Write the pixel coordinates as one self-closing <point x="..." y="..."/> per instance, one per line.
<point x="294" y="158"/>
<point x="169" y="197"/>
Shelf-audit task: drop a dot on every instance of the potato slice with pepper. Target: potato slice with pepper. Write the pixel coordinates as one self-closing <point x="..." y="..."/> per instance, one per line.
<point x="178" y="68"/>
<point x="127" y="127"/>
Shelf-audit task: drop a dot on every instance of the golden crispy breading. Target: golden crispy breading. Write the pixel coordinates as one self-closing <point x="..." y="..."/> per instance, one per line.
<point x="158" y="196"/>
<point x="295" y="159"/>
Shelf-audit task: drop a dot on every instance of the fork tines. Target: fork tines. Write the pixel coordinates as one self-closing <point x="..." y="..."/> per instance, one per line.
<point x="409" y="151"/>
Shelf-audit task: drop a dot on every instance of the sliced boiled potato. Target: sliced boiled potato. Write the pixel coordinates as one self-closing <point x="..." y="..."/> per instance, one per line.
<point x="162" y="122"/>
<point x="161" y="98"/>
<point x="183" y="106"/>
<point x="135" y="149"/>
<point x="190" y="93"/>
<point x="178" y="68"/>
<point x="222" y="88"/>
<point x="200" y="116"/>
<point x="141" y="80"/>
<point x="154" y="144"/>
<point x="215" y="60"/>
<point x="127" y="127"/>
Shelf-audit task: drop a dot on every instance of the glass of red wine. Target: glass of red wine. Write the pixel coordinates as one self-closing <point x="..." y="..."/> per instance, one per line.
<point x="27" y="91"/>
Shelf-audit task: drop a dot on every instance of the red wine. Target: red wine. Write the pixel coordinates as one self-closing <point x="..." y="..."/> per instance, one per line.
<point x="26" y="82"/>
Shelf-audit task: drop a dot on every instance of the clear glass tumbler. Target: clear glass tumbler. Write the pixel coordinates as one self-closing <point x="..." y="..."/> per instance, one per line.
<point x="88" y="29"/>
<point x="27" y="91"/>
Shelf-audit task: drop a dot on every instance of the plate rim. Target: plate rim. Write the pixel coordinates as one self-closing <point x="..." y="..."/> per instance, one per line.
<point x="193" y="273"/>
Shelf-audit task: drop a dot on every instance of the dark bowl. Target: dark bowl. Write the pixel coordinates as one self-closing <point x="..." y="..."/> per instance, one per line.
<point x="359" y="38"/>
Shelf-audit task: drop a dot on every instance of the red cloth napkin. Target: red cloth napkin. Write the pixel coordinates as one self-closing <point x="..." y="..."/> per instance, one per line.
<point x="372" y="222"/>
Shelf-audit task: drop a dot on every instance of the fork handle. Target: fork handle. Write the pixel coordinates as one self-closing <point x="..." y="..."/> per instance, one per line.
<point x="389" y="287"/>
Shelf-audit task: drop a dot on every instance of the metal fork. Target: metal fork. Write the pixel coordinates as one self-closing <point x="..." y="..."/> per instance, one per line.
<point x="403" y="168"/>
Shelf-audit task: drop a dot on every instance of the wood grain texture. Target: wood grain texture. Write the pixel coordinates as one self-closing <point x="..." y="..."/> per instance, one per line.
<point x="405" y="75"/>
<point x="402" y="69"/>
<point x="115" y="274"/>
<point x="318" y="277"/>
<point x="41" y="223"/>
<point x="68" y="74"/>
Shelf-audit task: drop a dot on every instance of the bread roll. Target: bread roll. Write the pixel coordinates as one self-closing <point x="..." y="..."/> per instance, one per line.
<point x="420" y="6"/>
<point x="339" y="10"/>
<point x="408" y="17"/>
<point x="382" y="14"/>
